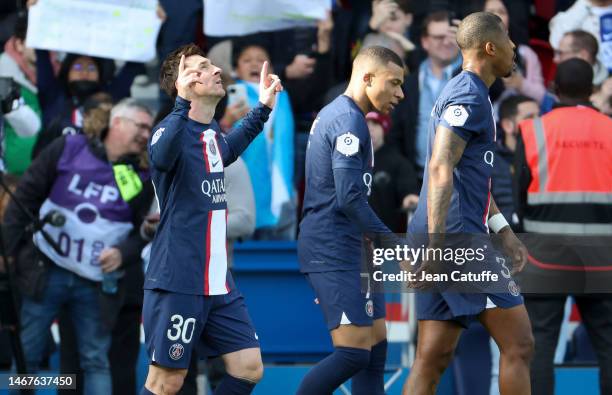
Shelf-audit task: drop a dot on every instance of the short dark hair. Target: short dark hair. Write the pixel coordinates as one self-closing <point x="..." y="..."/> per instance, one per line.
<point x="584" y="40"/>
<point x="509" y="106"/>
<point x="380" y="54"/>
<point x="478" y="28"/>
<point x="405" y="5"/>
<point x="21" y="26"/>
<point x="574" y="79"/>
<point x="168" y="72"/>
<point x="238" y="50"/>
<point x="436" y="16"/>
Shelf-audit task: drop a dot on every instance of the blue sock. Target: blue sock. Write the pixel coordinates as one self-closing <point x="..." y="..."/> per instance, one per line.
<point x="145" y="391"/>
<point x="371" y="380"/>
<point x="231" y="385"/>
<point x="334" y="370"/>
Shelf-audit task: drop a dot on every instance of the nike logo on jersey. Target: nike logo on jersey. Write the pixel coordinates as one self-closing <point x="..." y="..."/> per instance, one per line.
<point x="215" y="163"/>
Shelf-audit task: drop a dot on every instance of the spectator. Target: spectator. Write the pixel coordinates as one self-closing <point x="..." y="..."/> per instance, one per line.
<point x="527" y="79"/>
<point x="8" y="19"/>
<point x="181" y="20"/>
<point x="387" y="41"/>
<point x="592" y="16"/>
<point x="269" y="157"/>
<point x="575" y="172"/>
<point x="393" y="18"/>
<point x="22" y="125"/>
<point x="394" y="181"/>
<point x="302" y="57"/>
<point x="581" y="44"/>
<point x="576" y="44"/>
<point x="62" y="97"/>
<point x="602" y="99"/>
<point x="512" y="111"/>
<point x="411" y="117"/>
<point x="98" y="184"/>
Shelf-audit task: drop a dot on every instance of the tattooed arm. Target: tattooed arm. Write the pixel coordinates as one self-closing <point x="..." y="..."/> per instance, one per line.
<point x="446" y="152"/>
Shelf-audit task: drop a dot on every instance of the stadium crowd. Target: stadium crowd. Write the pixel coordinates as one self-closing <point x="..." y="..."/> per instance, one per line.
<point x="102" y="102"/>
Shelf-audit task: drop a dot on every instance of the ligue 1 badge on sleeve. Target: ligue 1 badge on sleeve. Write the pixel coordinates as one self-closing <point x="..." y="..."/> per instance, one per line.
<point x="347" y="144"/>
<point x="158" y="133"/>
<point x="456" y="115"/>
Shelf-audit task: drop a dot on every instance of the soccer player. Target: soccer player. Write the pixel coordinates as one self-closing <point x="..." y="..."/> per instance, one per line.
<point x="339" y="162"/>
<point x="456" y="198"/>
<point x="190" y="299"/>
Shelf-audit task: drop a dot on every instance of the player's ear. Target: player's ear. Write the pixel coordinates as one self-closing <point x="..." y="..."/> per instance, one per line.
<point x="490" y="48"/>
<point x="367" y="78"/>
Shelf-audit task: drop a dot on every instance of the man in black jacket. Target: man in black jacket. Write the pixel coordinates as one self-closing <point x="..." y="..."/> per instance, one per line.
<point x="512" y="111"/>
<point x="98" y="185"/>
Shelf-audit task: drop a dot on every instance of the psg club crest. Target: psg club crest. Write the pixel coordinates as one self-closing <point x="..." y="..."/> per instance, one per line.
<point x="212" y="149"/>
<point x="513" y="288"/>
<point x="176" y="351"/>
<point x="369" y="308"/>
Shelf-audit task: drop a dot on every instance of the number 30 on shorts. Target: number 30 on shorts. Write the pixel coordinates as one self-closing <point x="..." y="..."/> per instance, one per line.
<point x="182" y="329"/>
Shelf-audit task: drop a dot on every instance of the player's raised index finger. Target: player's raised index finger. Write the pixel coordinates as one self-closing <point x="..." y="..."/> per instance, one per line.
<point x="264" y="71"/>
<point x="182" y="64"/>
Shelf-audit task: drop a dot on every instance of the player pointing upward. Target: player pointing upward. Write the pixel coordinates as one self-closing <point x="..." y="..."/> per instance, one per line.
<point x="339" y="161"/>
<point x="190" y="298"/>
<point x="456" y="198"/>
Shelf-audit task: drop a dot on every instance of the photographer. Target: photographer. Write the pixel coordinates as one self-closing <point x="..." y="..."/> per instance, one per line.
<point x="99" y="185"/>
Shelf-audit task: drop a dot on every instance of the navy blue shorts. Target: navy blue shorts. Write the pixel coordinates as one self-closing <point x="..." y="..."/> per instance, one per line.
<point x="465" y="307"/>
<point x="340" y="296"/>
<point x="176" y="323"/>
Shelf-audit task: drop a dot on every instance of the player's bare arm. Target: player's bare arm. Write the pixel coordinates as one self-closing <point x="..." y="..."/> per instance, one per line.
<point x="513" y="247"/>
<point x="446" y="152"/>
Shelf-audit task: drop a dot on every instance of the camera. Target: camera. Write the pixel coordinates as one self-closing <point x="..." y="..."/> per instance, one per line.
<point x="9" y="92"/>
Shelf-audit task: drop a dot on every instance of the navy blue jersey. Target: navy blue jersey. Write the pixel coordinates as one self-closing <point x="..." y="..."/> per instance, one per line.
<point x="465" y="108"/>
<point x="188" y="158"/>
<point x="339" y="162"/>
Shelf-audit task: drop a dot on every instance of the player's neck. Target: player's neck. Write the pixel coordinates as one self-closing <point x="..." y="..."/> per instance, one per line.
<point x="359" y="97"/>
<point x="202" y="111"/>
<point x="480" y="69"/>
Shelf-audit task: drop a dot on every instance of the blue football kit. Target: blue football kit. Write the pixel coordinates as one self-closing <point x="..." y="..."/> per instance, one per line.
<point x="336" y="214"/>
<point x="464" y="107"/>
<point x="190" y="298"/>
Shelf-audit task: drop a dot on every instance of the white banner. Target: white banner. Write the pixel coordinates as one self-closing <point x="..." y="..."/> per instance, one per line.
<point x="116" y="29"/>
<point x="240" y="17"/>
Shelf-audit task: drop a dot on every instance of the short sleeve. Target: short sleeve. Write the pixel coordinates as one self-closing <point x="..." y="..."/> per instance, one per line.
<point x="349" y="139"/>
<point x="464" y="116"/>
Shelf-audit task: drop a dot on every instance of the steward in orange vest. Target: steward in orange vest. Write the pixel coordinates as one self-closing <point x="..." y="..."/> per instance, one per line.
<point x="563" y="192"/>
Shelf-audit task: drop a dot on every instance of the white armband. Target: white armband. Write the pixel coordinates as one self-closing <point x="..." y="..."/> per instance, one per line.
<point x="497" y="222"/>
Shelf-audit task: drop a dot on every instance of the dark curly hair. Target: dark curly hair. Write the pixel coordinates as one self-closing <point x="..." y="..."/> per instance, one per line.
<point x="168" y="72"/>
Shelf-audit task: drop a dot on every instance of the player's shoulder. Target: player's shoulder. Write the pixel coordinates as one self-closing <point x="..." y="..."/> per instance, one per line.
<point x="464" y="88"/>
<point x="341" y="116"/>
